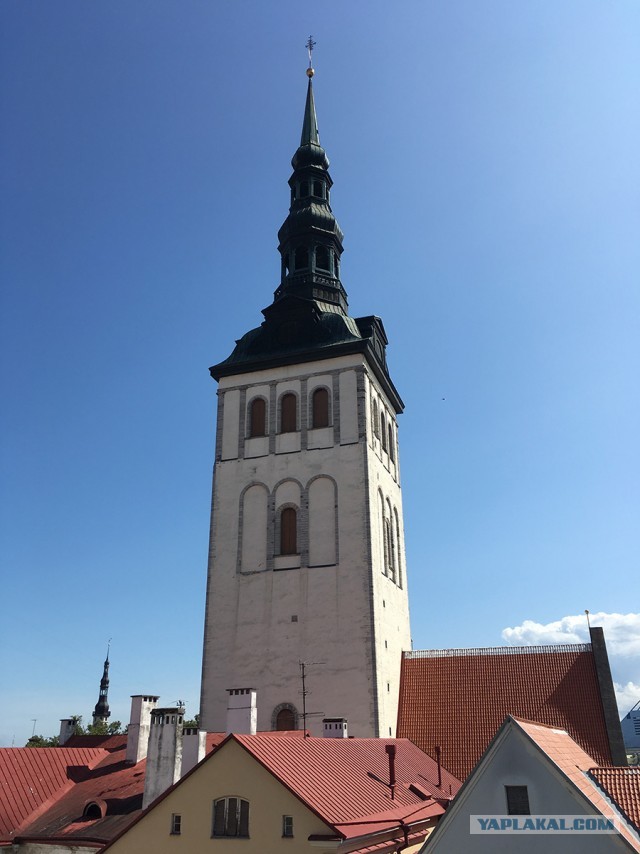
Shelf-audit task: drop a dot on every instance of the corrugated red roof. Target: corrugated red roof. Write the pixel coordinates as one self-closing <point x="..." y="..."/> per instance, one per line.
<point x="33" y="776"/>
<point x="113" y="784"/>
<point x="457" y="699"/>
<point x="106" y="742"/>
<point x="346" y="780"/>
<point x="45" y="790"/>
<point x="574" y="763"/>
<point x="622" y="785"/>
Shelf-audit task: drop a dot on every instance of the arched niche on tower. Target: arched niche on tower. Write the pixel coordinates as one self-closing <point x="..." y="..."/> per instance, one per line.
<point x="323" y="521"/>
<point x="288" y="525"/>
<point x="254" y="503"/>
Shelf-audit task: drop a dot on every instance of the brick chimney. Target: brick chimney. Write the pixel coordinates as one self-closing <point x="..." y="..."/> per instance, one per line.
<point x="67" y="727"/>
<point x="139" y="723"/>
<point x="242" y="711"/>
<point x="164" y="757"/>
<point x="194" y="745"/>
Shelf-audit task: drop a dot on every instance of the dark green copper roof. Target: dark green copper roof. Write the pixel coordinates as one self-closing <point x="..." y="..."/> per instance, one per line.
<point x="308" y="318"/>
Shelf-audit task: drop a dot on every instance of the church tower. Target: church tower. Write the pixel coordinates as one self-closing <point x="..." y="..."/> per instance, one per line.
<point x="306" y="559"/>
<point x="101" y="713"/>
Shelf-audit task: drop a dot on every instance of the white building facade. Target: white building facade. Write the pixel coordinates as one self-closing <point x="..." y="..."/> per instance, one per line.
<point x="307" y="559"/>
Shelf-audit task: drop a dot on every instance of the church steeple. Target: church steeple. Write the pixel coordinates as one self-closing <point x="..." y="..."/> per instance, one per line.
<point x="309" y="318"/>
<point x="101" y="712"/>
<point x="310" y="239"/>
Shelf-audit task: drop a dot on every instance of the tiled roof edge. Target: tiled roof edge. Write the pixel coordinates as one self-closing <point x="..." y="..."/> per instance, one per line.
<point x="498" y="650"/>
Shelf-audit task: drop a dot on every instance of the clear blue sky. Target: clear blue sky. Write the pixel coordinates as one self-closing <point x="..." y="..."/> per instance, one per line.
<point x="487" y="178"/>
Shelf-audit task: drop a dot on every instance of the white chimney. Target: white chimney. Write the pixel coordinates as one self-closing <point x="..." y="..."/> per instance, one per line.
<point x="194" y="745"/>
<point x="67" y="727"/>
<point x="164" y="757"/>
<point x="139" y="723"/>
<point x="242" y="711"/>
<point x="334" y="728"/>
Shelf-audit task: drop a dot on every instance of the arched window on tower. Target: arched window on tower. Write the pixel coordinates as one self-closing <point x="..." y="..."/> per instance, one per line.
<point x="288" y="414"/>
<point x="318" y="189"/>
<point x="383" y="431"/>
<point x="322" y="258"/>
<point x="288" y="531"/>
<point x="301" y="258"/>
<point x="258" y="417"/>
<point x="397" y="521"/>
<point x="392" y="455"/>
<point x="376" y="418"/>
<point x="304" y="189"/>
<point x="285" y="720"/>
<point x="320" y="408"/>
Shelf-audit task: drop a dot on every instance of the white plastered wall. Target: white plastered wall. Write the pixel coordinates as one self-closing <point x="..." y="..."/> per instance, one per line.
<point x="330" y="609"/>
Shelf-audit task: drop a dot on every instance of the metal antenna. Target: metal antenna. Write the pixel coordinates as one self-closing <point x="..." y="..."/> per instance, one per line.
<point x="33" y="731"/>
<point x="304" y="692"/>
<point x="588" y="620"/>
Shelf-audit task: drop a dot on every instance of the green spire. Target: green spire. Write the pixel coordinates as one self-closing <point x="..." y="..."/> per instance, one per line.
<point x="310" y="124"/>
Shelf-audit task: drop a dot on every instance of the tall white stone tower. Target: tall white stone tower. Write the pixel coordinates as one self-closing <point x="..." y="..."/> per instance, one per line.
<point x="307" y="559"/>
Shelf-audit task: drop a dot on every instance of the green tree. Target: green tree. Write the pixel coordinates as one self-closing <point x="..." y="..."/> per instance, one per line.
<point x="114" y="728"/>
<point x="41" y="741"/>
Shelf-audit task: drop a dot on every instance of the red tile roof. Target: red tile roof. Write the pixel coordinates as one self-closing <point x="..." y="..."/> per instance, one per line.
<point x="622" y="785"/>
<point x="457" y="699"/>
<point x="345" y="781"/>
<point x="574" y="763"/>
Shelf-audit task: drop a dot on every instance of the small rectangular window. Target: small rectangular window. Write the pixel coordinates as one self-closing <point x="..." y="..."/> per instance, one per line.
<point x="517" y="800"/>
<point x="176" y="824"/>
<point x="287" y="825"/>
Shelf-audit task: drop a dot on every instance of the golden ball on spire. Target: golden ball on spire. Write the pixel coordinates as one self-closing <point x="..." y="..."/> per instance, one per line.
<point x="310" y="72"/>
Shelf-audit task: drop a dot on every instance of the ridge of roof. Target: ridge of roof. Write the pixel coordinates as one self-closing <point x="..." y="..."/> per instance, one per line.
<point x="497" y="650"/>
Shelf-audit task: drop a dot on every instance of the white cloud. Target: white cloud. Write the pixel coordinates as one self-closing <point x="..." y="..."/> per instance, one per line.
<point x="622" y="635"/>
<point x="627" y="696"/>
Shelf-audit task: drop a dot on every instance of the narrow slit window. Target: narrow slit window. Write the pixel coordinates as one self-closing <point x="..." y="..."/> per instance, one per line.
<point x="383" y="432"/>
<point x="288" y="414"/>
<point x="258" y="417"/>
<point x="320" y="408"/>
<point x="287" y="826"/>
<point x="288" y="531"/>
<point x="391" y="448"/>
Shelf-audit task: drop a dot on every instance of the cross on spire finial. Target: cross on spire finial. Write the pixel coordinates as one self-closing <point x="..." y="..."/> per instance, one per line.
<point x="310" y="46"/>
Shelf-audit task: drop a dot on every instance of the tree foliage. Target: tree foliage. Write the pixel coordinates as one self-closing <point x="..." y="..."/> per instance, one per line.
<point x="113" y="728"/>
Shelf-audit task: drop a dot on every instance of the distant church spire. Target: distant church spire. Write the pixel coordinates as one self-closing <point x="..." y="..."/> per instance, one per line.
<point x="101" y="712"/>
